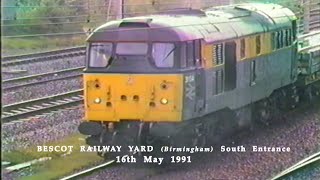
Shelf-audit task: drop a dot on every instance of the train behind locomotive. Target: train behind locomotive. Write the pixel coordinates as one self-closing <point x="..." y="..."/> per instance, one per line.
<point x="196" y="74"/>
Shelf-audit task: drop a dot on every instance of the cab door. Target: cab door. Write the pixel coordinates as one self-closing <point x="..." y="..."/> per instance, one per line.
<point x="199" y="78"/>
<point x="197" y="75"/>
<point x="194" y="81"/>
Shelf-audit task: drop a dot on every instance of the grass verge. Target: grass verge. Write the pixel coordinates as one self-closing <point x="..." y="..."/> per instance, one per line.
<point x="16" y="46"/>
<point x="59" y="166"/>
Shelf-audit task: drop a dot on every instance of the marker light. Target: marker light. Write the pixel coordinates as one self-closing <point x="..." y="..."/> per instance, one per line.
<point x="97" y="101"/>
<point x="164" y="101"/>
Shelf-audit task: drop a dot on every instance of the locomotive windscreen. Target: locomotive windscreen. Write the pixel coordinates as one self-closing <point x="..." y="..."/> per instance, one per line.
<point x="131" y="48"/>
<point x="132" y="55"/>
<point x="100" y="54"/>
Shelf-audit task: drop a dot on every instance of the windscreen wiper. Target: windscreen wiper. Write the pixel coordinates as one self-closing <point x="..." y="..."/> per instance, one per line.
<point x="169" y="54"/>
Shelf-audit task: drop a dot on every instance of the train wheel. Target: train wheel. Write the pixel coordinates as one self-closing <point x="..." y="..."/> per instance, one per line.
<point x="219" y="125"/>
<point x="200" y="136"/>
<point x="264" y="111"/>
<point x="244" y="117"/>
<point x="93" y="140"/>
<point x="311" y="93"/>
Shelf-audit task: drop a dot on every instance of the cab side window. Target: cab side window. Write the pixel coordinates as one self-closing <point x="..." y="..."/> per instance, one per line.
<point x="190" y="54"/>
<point x="193" y="53"/>
<point x="183" y="55"/>
<point x="197" y="50"/>
<point x="163" y="54"/>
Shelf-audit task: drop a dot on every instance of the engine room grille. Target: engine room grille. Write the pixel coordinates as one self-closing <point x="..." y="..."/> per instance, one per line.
<point x="217" y="54"/>
<point x="218" y="79"/>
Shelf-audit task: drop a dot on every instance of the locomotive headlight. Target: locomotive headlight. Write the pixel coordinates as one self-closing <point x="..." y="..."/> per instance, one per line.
<point x="164" y="101"/>
<point x="97" y="101"/>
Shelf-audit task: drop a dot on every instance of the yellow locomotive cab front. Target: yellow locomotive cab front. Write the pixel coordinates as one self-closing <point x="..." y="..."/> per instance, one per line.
<point x="143" y="97"/>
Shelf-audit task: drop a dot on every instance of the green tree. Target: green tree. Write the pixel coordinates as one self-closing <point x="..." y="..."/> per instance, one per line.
<point x="38" y="16"/>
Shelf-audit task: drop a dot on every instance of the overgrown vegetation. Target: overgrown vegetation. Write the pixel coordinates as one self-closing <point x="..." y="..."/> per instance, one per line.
<point x="38" y="17"/>
<point x="60" y="165"/>
<point x="47" y="24"/>
<point x="36" y="44"/>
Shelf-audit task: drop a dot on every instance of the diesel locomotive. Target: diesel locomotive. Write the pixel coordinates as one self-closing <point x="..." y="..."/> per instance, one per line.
<point x="190" y="76"/>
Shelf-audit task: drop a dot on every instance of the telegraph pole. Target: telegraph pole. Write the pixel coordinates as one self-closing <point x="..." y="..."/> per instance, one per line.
<point x="122" y="9"/>
<point x="306" y="16"/>
<point x="119" y="8"/>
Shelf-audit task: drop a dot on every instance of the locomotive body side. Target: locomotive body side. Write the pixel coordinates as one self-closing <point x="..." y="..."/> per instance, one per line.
<point x="167" y="74"/>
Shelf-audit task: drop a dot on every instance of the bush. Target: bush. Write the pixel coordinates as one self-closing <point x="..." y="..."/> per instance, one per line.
<point x="41" y="16"/>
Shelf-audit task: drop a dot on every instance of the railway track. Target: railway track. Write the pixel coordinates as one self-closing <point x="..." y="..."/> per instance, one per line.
<point x="87" y="171"/>
<point x="39" y="106"/>
<point x="15" y="83"/>
<point x="43" y="56"/>
<point x="301" y="164"/>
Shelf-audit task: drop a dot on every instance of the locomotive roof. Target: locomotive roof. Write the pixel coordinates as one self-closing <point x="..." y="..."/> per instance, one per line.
<point x="212" y="24"/>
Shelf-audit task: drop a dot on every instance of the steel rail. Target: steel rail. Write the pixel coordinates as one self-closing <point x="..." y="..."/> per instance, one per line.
<point x="8" y="58"/>
<point x="13" y="87"/>
<point x="90" y="170"/>
<point x="46" y="34"/>
<point x="37" y="78"/>
<point x="307" y="161"/>
<point x="47" y="57"/>
<point x="39" y="106"/>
